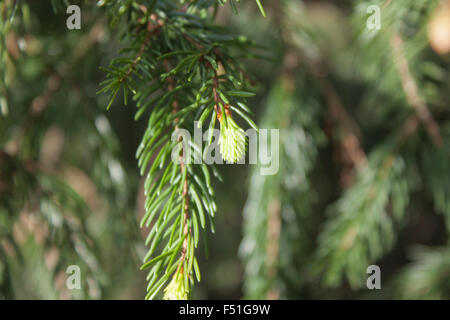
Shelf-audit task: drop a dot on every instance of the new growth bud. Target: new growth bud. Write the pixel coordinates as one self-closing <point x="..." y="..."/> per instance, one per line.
<point x="232" y="138"/>
<point x="176" y="289"/>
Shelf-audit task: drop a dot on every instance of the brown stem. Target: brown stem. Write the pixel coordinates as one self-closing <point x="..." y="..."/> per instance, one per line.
<point x="217" y="99"/>
<point x="153" y="27"/>
<point x="412" y="92"/>
<point x="352" y="152"/>
<point x="185" y="195"/>
<point x="272" y="249"/>
<point x="352" y="133"/>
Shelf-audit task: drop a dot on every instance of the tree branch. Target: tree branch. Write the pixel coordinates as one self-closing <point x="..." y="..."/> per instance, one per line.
<point x="411" y="91"/>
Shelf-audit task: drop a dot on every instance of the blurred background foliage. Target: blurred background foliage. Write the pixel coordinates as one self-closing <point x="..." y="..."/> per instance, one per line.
<point x="364" y="146"/>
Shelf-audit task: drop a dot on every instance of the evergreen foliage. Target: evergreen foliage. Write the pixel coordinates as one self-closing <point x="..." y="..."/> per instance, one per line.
<point x="190" y="72"/>
<point x="390" y="146"/>
<point x="364" y="146"/>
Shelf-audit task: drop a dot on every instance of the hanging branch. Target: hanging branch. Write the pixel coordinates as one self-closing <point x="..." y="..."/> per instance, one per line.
<point x="180" y="69"/>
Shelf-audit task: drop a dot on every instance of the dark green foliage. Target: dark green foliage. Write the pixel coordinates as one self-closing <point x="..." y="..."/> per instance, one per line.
<point x="180" y="68"/>
<point x="47" y="221"/>
<point x="379" y="98"/>
<point x="364" y="131"/>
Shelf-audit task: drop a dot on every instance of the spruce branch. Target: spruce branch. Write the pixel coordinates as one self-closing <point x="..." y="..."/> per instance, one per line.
<point x="35" y="199"/>
<point x="427" y="277"/>
<point x="362" y="223"/>
<point x="51" y="211"/>
<point x="279" y="205"/>
<point x="187" y="71"/>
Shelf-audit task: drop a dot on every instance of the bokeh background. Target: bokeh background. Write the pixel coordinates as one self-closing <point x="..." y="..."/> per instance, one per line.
<point x="364" y="171"/>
